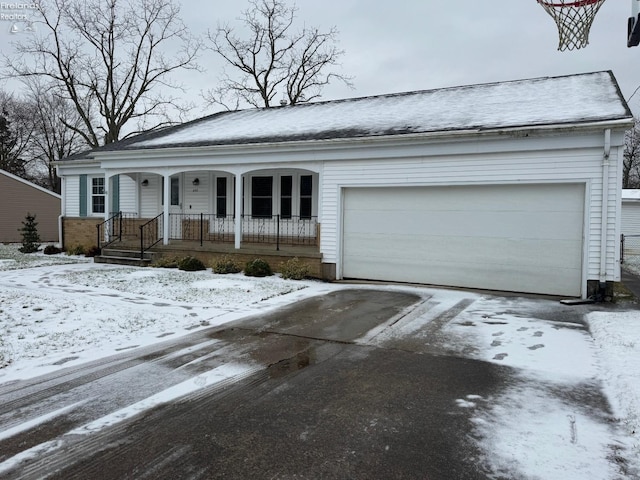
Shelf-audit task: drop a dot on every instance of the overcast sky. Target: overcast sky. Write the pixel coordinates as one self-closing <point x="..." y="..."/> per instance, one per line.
<point x="423" y="44"/>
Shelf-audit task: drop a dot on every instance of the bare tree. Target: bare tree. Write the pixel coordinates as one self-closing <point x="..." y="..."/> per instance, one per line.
<point x="274" y="59"/>
<point x="16" y="130"/>
<point x="111" y="59"/>
<point x="52" y="139"/>
<point x="631" y="165"/>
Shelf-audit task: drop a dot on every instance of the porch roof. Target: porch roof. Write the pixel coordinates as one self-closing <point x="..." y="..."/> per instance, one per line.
<point x="540" y="102"/>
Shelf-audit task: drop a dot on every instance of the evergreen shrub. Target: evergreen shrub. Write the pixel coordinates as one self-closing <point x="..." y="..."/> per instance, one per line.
<point x="191" y="264"/>
<point x="257" y="268"/>
<point x="294" y="269"/>
<point x="226" y="264"/>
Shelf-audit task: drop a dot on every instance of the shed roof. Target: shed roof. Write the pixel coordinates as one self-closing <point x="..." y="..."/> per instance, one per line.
<point x="29" y="184"/>
<point x="548" y="101"/>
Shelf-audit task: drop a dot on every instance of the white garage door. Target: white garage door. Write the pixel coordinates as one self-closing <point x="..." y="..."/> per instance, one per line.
<point x="522" y="238"/>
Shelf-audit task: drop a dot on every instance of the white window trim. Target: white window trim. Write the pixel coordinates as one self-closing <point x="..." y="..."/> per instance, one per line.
<point x="90" y="195"/>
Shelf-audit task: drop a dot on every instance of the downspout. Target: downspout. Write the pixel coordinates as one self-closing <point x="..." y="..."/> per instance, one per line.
<point x="605" y="210"/>
<point x="63" y="209"/>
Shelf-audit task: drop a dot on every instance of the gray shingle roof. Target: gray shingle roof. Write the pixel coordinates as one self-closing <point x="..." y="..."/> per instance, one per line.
<point x="582" y="98"/>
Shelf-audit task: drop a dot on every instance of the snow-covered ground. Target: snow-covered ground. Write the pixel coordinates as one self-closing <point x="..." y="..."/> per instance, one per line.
<point x="57" y="311"/>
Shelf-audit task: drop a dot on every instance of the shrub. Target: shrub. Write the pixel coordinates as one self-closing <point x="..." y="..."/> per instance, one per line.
<point x="257" y="268"/>
<point x="76" y="250"/>
<point x="294" y="269"/>
<point x="30" y="237"/>
<point x="226" y="264"/>
<point x="52" y="250"/>
<point x="166" y="262"/>
<point x="191" y="264"/>
<point x="93" y="251"/>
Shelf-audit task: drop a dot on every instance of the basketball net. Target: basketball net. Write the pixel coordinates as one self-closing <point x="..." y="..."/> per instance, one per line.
<point x="574" y="19"/>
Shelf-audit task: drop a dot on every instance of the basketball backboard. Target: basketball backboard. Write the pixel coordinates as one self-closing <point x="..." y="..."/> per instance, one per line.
<point x="633" y="25"/>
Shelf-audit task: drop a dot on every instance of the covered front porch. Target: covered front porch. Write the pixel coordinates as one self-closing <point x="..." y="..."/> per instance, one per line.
<point x="269" y="207"/>
<point x="275" y="232"/>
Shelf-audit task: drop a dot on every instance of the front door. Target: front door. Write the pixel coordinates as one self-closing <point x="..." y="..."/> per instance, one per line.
<point x="175" y="206"/>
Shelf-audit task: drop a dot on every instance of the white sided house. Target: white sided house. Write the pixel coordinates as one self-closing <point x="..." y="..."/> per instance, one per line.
<point x="508" y="186"/>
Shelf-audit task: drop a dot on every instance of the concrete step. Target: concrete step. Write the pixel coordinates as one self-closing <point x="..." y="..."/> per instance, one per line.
<point x="114" y="260"/>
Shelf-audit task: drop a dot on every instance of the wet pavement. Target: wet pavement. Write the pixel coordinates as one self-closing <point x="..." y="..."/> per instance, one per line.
<point x="358" y="383"/>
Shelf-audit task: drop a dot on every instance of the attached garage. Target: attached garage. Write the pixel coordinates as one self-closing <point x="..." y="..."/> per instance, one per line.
<point x="525" y="238"/>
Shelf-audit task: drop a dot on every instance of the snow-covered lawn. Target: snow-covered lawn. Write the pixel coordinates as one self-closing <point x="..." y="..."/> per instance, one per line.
<point x="57" y="311"/>
<point x="45" y="323"/>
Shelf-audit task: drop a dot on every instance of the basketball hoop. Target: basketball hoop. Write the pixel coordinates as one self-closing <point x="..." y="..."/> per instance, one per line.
<point x="574" y="19"/>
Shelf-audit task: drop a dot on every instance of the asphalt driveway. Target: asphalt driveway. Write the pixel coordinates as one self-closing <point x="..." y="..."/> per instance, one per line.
<point x="359" y="383"/>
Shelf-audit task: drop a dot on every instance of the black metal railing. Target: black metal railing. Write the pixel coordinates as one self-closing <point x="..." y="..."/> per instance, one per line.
<point x="629" y="245"/>
<point x="201" y="227"/>
<point x="281" y="230"/>
<point x="110" y="230"/>
<point x="150" y="234"/>
<point x="129" y="224"/>
<point x="276" y="229"/>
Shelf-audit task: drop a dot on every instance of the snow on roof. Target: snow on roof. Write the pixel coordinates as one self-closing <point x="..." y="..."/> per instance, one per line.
<point x="542" y="101"/>
<point x="630" y="194"/>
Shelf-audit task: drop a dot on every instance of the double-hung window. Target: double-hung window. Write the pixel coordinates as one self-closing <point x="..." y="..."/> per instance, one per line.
<point x="262" y="197"/>
<point x="286" y="190"/>
<point x="306" y="192"/>
<point x="97" y="195"/>
<point x="221" y="197"/>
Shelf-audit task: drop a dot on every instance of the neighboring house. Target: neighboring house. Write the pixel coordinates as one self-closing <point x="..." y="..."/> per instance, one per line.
<point x="631" y="211"/>
<point x="630" y="220"/>
<point x="497" y="186"/>
<point x="19" y="197"/>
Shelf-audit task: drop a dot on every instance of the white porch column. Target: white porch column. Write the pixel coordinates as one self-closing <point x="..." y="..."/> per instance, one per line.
<point x="107" y="205"/>
<point x="165" y="209"/>
<point x="107" y="195"/>
<point x="238" y="210"/>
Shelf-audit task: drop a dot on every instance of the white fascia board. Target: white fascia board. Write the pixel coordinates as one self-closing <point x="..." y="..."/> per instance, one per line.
<point x="72" y="163"/>
<point x="84" y="168"/>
